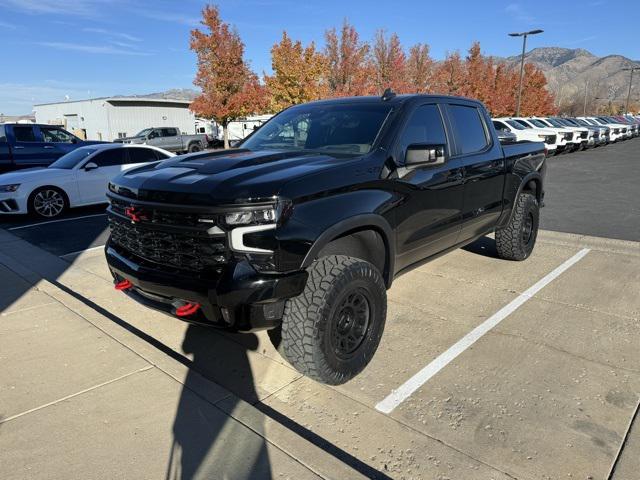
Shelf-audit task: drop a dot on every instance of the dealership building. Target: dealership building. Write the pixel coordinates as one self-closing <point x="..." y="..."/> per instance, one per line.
<point x="116" y="117"/>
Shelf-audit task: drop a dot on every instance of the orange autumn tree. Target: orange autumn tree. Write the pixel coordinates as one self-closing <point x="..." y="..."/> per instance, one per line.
<point x="230" y="89"/>
<point x="389" y="64"/>
<point x="419" y="69"/>
<point x="348" y="71"/>
<point x="536" y="99"/>
<point x="298" y="74"/>
<point x="449" y="77"/>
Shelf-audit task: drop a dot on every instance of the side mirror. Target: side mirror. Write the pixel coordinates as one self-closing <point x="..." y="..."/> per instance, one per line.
<point x="427" y="155"/>
<point x="90" y="166"/>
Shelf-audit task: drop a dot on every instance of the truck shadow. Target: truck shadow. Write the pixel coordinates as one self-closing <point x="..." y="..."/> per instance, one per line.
<point x="485" y="246"/>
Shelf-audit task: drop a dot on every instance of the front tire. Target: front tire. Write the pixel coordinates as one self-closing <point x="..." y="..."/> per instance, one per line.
<point x="517" y="239"/>
<point x="331" y="331"/>
<point x="47" y="202"/>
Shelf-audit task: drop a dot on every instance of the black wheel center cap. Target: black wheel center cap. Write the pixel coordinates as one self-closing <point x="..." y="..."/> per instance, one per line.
<point x="351" y="324"/>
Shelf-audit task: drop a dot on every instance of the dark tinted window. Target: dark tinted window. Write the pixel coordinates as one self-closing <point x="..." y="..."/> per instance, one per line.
<point x="169" y="132"/>
<point x="425" y="126"/>
<point x="111" y="157"/>
<point x="141" y="155"/>
<point x="500" y="126"/>
<point x="468" y="128"/>
<point x="24" y="134"/>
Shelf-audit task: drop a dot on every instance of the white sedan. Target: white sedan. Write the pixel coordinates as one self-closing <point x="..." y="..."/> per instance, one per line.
<point x="76" y="179"/>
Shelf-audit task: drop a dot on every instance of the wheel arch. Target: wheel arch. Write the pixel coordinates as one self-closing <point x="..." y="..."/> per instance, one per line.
<point x="369" y="237"/>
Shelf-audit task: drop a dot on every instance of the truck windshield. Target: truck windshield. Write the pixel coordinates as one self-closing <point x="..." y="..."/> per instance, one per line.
<point x="144" y="133"/>
<point x="516" y="125"/>
<point x="348" y="129"/>
<point x="538" y="123"/>
<point x="72" y="158"/>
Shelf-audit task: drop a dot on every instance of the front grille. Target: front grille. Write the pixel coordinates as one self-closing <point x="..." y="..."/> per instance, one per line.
<point x="185" y="251"/>
<point x="584" y="135"/>
<point x="550" y="139"/>
<point x="568" y="136"/>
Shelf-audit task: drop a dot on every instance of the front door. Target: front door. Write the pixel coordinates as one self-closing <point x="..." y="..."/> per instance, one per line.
<point x="429" y="220"/>
<point x="92" y="183"/>
<point x="28" y="149"/>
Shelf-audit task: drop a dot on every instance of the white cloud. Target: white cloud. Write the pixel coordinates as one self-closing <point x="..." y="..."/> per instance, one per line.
<point x="519" y="13"/>
<point x="94" y="49"/>
<point x="58" y="7"/>
<point x="7" y="26"/>
<point x="110" y="33"/>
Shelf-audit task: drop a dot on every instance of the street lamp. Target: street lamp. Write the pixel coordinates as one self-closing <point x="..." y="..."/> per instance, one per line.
<point x="524" y="46"/>
<point x="629" y="69"/>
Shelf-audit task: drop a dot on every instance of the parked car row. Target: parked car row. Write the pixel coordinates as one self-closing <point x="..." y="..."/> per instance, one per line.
<point x="566" y="134"/>
<point x="79" y="178"/>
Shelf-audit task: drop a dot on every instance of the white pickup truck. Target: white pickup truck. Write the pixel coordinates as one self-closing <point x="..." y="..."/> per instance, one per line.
<point x="167" y="138"/>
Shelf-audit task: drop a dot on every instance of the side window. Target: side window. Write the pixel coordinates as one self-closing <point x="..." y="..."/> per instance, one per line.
<point x="141" y="155"/>
<point x="56" y="135"/>
<point x="169" y="132"/>
<point x="3" y="136"/>
<point x="161" y="156"/>
<point x="425" y="126"/>
<point x="110" y="158"/>
<point x="468" y="128"/>
<point x="500" y="126"/>
<point x="24" y="134"/>
<point x="154" y="134"/>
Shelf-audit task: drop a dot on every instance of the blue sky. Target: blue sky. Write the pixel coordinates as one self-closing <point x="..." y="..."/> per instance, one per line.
<point x="88" y="48"/>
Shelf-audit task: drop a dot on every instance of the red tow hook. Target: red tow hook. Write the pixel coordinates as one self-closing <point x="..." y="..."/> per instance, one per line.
<point x="123" y="285"/>
<point x="187" y="309"/>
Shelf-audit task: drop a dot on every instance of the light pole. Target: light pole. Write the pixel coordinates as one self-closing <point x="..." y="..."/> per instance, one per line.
<point x="524" y="46"/>
<point x="629" y="69"/>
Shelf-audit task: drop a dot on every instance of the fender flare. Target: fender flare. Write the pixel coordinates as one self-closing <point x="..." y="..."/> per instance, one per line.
<point x="368" y="221"/>
<point x="526" y="179"/>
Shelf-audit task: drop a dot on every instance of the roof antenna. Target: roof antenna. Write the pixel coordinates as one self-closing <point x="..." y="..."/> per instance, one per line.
<point x="388" y="95"/>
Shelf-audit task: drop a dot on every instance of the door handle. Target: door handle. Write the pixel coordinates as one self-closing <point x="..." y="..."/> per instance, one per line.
<point x="18" y="147"/>
<point x="48" y="146"/>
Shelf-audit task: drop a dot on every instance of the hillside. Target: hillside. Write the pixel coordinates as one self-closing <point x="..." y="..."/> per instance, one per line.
<point x="568" y="71"/>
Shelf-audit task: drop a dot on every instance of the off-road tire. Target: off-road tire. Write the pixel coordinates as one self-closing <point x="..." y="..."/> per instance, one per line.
<point x="517" y="239"/>
<point x="194" y="147"/>
<point x="310" y="325"/>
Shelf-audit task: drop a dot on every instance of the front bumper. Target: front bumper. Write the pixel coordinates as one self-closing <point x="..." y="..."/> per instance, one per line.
<point x="13" y="203"/>
<point x="238" y="299"/>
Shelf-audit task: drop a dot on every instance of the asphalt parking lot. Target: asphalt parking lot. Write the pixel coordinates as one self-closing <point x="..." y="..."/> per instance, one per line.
<point x="487" y="370"/>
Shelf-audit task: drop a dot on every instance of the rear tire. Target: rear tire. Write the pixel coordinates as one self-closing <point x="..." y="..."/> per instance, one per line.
<point x="517" y="239"/>
<point x="47" y="202"/>
<point x="194" y="147"/>
<point x="331" y="331"/>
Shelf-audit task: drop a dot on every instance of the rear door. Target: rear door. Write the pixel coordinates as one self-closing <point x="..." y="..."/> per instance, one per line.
<point x="429" y="221"/>
<point x="6" y="163"/>
<point x="28" y="148"/>
<point x="171" y="140"/>
<point x="484" y="168"/>
<point x="92" y="184"/>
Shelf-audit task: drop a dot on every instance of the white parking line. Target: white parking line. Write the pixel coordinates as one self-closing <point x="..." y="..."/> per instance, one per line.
<point x="414" y="383"/>
<point x="56" y="221"/>
<point x="81" y="251"/>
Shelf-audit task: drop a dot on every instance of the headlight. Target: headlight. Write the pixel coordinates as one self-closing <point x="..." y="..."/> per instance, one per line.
<point x="9" y="188"/>
<point x="251" y="217"/>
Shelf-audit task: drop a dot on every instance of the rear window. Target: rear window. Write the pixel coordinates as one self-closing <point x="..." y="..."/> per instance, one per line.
<point x="468" y="128"/>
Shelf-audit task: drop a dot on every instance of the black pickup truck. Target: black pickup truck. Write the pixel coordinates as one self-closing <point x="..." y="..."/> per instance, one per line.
<point x="303" y="228"/>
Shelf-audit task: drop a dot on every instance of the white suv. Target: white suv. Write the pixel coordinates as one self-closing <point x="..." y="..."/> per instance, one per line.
<point x="524" y="133"/>
<point x="563" y="136"/>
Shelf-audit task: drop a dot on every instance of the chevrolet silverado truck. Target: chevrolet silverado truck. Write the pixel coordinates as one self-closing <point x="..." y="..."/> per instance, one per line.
<point x="168" y="138"/>
<point x="303" y="228"/>
<point x="28" y="145"/>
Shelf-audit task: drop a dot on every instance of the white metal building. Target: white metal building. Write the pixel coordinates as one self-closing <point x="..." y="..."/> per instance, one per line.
<point x="115" y="117"/>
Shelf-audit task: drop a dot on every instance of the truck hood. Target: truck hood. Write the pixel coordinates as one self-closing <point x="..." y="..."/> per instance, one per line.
<point x="224" y="177"/>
